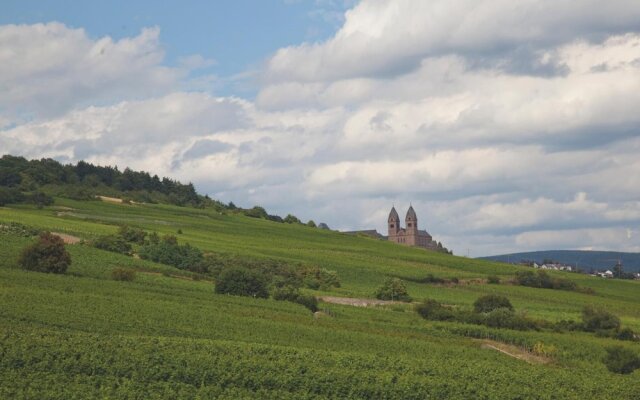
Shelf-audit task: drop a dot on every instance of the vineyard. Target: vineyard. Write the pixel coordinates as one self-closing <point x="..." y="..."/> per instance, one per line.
<point x="166" y="334"/>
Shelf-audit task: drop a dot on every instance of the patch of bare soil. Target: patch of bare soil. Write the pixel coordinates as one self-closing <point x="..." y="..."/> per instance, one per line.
<point x="515" y="352"/>
<point x="348" y="301"/>
<point x="68" y="239"/>
<point x="110" y="199"/>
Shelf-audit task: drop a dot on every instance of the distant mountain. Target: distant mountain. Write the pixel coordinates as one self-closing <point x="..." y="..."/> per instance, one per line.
<point x="584" y="259"/>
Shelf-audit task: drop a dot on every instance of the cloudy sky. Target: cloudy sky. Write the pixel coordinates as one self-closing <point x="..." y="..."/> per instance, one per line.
<point x="509" y="125"/>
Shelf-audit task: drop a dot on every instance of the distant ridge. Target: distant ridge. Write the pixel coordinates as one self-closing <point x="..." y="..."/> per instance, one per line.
<point x="585" y="259"/>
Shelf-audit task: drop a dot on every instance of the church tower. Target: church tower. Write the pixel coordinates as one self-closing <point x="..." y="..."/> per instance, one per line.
<point x="412" y="227"/>
<point x="394" y="223"/>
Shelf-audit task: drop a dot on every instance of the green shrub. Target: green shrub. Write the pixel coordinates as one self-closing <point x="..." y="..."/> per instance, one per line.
<point x="319" y="278"/>
<point x="625" y="334"/>
<point x="308" y="301"/>
<point x="493" y="279"/>
<point x="113" y="243"/>
<point x="541" y="279"/>
<point x="18" y="229"/>
<point x="621" y="360"/>
<point x="432" y="310"/>
<point x="46" y="255"/>
<point x="393" y="289"/>
<point x="286" y="293"/>
<point x="507" y="319"/>
<point x="123" y="274"/>
<point x="596" y="319"/>
<point x="242" y="282"/>
<point x="168" y="251"/>
<point x="491" y="302"/>
<point x="132" y="235"/>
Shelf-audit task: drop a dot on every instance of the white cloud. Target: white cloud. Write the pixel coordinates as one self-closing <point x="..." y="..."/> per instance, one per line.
<point x="508" y="125"/>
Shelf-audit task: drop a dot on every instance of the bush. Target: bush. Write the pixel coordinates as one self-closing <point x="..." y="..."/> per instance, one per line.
<point x="491" y="302"/>
<point x="113" y="243"/>
<point x="393" y="289"/>
<point x="308" y="301"/>
<point x="319" y="278"/>
<point x="597" y="319"/>
<point x="621" y="360"/>
<point x="132" y="235"/>
<point x="46" y="255"/>
<point x="432" y="310"/>
<point x="493" y="279"/>
<point x="123" y="274"/>
<point x="286" y="293"/>
<point x="543" y="280"/>
<point x="626" y="334"/>
<point x="507" y="319"/>
<point x="168" y="251"/>
<point x="242" y="282"/>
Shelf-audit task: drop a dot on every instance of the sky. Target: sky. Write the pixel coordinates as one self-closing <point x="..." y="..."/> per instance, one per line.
<point x="509" y="126"/>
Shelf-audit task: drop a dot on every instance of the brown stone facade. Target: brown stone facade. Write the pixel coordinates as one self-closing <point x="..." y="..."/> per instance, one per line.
<point x="410" y="235"/>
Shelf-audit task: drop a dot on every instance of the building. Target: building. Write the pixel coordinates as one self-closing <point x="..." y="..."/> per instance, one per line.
<point x="410" y="235"/>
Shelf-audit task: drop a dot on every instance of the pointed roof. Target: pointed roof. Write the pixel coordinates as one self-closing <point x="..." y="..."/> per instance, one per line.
<point x="411" y="214"/>
<point x="393" y="215"/>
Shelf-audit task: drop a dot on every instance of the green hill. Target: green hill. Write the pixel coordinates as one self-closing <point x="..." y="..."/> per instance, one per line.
<point x="168" y="335"/>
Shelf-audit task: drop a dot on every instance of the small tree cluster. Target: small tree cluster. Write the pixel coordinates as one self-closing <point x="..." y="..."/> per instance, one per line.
<point x="47" y="254"/>
<point x="242" y="282"/>
<point x="393" y="289"/>
<point x="541" y="279"/>
<point x="167" y="251"/>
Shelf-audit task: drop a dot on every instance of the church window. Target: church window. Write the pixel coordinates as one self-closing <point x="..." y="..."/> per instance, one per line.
<point x="392" y="226"/>
<point x="409" y="225"/>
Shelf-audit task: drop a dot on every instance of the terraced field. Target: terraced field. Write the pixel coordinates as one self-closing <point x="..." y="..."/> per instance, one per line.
<point x="164" y="335"/>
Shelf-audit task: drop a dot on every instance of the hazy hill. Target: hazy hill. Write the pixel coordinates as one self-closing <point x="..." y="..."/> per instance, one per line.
<point x="583" y="258"/>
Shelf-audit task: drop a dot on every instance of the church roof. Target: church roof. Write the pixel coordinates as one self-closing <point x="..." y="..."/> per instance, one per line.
<point x="411" y="214"/>
<point x="393" y="215"/>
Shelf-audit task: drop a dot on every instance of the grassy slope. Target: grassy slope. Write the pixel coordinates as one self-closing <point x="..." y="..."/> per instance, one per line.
<point x="158" y="336"/>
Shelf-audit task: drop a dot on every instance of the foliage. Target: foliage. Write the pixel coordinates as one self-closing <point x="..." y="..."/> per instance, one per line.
<point x="18" y="229"/>
<point x="242" y="282"/>
<point x="491" y="302"/>
<point x="132" y="235"/>
<point x="256" y="212"/>
<point x="432" y="310"/>
<point x="123" y="274"/>
<point x="393" y="289"/>
<point x="46" y="255"/>
<point x="291" y="219"/>
<point x="311" y="224"/>
<point x="596" y="319"/>
<point x="168" y="251"/>
<point x="541" y="279"/>
<point x="319" y="278"/>
<point x="114" y="243"/>
<point x="621" y="360"/>
<point x="493" y="279"/>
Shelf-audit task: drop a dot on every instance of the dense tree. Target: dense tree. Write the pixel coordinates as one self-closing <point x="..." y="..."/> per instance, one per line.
<point x="393" y="289"/>
<point x="491" y="302"/>
<point x="48" y="254"/>
<point x="242" y="282"/>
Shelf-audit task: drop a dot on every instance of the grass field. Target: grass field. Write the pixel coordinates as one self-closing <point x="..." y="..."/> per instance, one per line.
<point x="82" y="335"/>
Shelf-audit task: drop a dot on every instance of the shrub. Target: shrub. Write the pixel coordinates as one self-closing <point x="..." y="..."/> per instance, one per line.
<point x="308" y="301"/>
<point x="242" y="282"/>
<point x="168" y="251"/>
<point x="113" y="243"/>
<point x="493" y="279"/>
<point x="595" y="319"/>
<point x="432" y="310"/>
<point x="393" y="289"/>
<point x="132" y="235"/>
<point x="319" y="278"/>
<point x="543" y="280"/>
<point x="626" y="334"/>
<point x="506" y="318"/>
<point x="491" y="302"/>
<point x="286" y="293"/>
<point x="123" y="274"/>
<point x="432" y="279"/>
<point x="256" y="212"/>
<point x="621" y="360"/>
<point x="46" y="255"/>
<point x="18" y="229"/>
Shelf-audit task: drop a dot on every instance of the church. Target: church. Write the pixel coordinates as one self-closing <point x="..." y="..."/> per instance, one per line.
<point x="411" y="235"/>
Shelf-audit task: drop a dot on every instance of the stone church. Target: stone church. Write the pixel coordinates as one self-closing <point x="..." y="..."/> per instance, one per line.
<point x="410" y="235"/>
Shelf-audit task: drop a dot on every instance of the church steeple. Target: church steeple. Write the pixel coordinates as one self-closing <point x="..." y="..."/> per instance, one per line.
<point x="411" y="220"/>
<point x="393" y="222"/>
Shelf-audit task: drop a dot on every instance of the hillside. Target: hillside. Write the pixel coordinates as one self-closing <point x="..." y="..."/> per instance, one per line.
<point x="168" y="335"/>
<point x="585" y="260"/>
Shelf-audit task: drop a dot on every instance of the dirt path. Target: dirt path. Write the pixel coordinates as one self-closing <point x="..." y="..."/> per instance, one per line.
<point x="68" y="239"/>
<point x="514" y="351"/>
<point x="110" y="199"/>
<point x="348" y="301"/>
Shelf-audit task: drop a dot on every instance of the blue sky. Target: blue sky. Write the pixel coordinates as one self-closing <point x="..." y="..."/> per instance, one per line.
<point x="237" y="34"/>
<point x="510" y="126"/>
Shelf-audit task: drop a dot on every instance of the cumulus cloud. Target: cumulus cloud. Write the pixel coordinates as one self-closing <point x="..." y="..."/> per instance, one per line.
<point x="48" y="69"/>
<point x="509" y="126"/>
